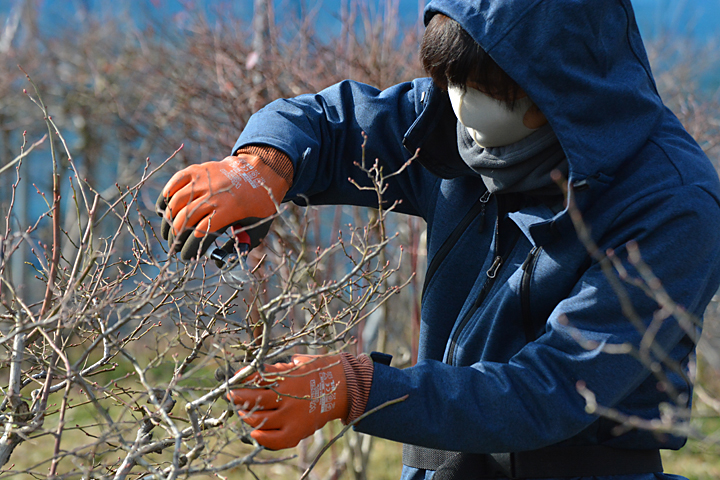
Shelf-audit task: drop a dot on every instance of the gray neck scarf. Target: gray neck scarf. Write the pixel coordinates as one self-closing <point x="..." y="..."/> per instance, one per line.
<point x="523" y="166"/>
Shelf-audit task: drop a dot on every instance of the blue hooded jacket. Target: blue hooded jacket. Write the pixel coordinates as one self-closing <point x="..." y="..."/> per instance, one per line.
<point x="635" y="175"/>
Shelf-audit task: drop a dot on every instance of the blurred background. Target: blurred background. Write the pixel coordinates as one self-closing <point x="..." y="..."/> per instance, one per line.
<point x="134" y="80"/>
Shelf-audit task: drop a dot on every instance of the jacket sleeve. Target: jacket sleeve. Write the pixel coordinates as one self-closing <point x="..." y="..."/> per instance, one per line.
<point x="322" y="134"/>
<point x="533" y="400"/>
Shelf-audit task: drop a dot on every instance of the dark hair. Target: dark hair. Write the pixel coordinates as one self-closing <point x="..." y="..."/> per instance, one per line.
<point x="451" y="57"/>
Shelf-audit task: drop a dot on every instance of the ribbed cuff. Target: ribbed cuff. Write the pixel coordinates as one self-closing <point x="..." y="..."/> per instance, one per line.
<point x="358" y="376"/>
<point x="273" y="158"/>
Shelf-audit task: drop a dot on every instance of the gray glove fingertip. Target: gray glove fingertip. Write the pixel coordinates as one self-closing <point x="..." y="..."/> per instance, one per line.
<point x="176" y="242"/>
<point x="161" y="204"/>
<point x="166" y="230"/>
<point x="225" y="373"/>
<point x="192" y="247"/>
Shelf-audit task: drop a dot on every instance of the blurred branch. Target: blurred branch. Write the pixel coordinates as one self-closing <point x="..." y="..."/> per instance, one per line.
<point x="24" y="154"/>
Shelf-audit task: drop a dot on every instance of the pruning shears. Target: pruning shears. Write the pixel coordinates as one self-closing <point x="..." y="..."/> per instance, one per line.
<point x="233" y="264"/>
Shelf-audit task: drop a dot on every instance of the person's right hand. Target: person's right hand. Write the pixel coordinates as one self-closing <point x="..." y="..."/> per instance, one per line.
<point x="201" y="201"/>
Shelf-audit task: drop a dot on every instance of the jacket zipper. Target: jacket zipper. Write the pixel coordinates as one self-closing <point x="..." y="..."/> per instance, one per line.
<point x="477" y="209"/>
<point x="528" y="268"/>
<point x="491" y="275"/>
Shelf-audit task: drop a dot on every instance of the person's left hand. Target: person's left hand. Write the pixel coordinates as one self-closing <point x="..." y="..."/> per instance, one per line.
<point x="292" y="400"/>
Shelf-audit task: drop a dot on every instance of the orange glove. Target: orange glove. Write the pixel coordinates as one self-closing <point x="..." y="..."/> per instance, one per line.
<point x="294" y="399"/>
<point x="201" y="201"/>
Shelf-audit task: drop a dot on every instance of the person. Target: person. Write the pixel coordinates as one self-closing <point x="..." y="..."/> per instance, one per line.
<point x="522" y="333"/>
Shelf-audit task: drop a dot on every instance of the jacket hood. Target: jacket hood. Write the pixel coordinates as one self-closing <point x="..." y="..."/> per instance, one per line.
<point x="582" y="62"/>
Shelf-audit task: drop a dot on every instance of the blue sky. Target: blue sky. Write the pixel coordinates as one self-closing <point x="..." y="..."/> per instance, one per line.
<point x="699" y="18"/>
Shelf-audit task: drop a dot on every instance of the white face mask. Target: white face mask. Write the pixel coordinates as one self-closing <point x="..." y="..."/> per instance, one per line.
<point x="489" y="121"/>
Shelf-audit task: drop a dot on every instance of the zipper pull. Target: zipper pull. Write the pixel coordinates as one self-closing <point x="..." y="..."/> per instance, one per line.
<point x="529" y="258"/>
<point x="493" y="270"/>
<point x="483" y="201"/>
